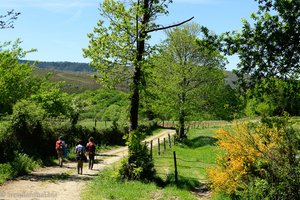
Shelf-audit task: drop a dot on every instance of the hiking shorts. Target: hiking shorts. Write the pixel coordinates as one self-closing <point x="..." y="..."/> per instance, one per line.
<point x="60" y="153"/>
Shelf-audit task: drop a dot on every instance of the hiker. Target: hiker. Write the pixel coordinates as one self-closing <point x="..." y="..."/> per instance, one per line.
<point x="80" y="156"/>
<point x="91" y="149"/>
<point x="60" y="146"/>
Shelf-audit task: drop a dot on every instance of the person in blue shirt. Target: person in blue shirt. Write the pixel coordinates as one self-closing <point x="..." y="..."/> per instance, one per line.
<point x="80" y="156"/>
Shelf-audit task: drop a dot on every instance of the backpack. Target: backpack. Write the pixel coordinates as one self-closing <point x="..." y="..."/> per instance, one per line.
<point x="91" y="148"/>
<point x="80" y="153"/>
<point x="58" y="145"/>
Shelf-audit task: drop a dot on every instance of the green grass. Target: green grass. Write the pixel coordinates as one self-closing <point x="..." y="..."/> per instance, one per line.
<point x="107" y="186"/>
<point x="194" y="156"/>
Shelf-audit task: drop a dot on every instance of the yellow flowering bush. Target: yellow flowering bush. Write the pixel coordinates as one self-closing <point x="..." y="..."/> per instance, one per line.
<point x="242" y="145"/>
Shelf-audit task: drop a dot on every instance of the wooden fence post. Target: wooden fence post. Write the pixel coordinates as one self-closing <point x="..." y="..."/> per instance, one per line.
<point x="175" y="167"/>
<point x="165" y="145"/>
<point x="158" y="145"/>
<point x="174" y="139"/>
<point x="151" y="145"/>
<point x="169" y="140"/>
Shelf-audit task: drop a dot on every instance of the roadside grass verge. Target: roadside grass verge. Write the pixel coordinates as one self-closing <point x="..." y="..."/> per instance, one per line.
<point x="194" y="156"/>
<point x="108" y="186"/>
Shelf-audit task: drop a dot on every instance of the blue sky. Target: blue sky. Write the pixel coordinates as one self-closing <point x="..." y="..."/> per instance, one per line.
<point x="58" y="28"/>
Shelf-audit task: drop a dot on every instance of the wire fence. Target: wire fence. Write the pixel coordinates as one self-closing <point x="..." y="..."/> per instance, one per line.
<point x="194" y="124"/>
<point x="166" y="144"/>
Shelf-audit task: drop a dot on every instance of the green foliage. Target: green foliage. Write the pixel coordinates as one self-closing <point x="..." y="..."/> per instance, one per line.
<point x="187" y="75"/>
<point x="28" y="129"/>
<point x="273" y="97"/>
<point x="269" y="56"/>
<point x="52" y="100"/>
<point x="270" y="47"/>
<point x="103" y="104"/>
<point x="112" y="47"/>
<point x="23" y="164"/>
<point x="139" y="164"/>
<point x="118" y="47"/>
<point x="6" y="172"/>
<point x="16" y="82"/>
<point x="8" y="143"/>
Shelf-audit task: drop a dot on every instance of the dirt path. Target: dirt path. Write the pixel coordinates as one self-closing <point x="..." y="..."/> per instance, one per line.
<point x="63" y="183"/>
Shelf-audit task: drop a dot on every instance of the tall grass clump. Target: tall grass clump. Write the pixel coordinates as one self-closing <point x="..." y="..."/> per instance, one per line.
<point x="22" y="164"/>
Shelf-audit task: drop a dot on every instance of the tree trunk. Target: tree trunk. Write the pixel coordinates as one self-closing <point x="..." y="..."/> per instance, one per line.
<point x="182" y="116"/>
<point x="181" y="124"/>
<point x="141" y="36"/>
<point x="135" y="98"/>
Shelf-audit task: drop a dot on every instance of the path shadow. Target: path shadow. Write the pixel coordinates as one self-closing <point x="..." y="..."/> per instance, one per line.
<point x="184" y="183"/>
<point x="54" y="177"/>
<point x="200" y="142"/>
<point x="107" y="155"/>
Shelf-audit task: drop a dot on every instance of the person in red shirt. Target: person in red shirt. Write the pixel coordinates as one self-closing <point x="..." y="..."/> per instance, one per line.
<point x="59" y="145"/>
<point x="91" y="149"/>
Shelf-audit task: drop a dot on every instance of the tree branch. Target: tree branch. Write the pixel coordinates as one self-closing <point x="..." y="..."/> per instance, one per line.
<point x="166" y="27"/>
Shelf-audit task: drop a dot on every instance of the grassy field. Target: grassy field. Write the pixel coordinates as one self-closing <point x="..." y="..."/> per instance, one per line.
<point x="194" y="156"/>
<point x="90" y="123"/>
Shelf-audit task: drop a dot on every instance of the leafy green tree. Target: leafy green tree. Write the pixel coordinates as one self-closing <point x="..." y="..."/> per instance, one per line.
<point x="16" y="80"/>
<point x="118" y="47"/>
<point x="186" y="73"/>
<point x="269" y="47"/>
<point x="55" y="102"/>
<point x="279" y="96"/>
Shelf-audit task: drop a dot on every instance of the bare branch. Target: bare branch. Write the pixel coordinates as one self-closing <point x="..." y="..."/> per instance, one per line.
<point x="171" y="26"/>
<point x="6" y="21"/>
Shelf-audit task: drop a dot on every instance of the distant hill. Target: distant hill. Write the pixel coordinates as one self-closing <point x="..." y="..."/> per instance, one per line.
<point x="63" y="66"/>
<point x="78" y="77"/>
<point x="74" y="82"/>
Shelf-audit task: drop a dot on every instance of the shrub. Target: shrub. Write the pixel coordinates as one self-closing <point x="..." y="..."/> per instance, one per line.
<point x="6" y="172"/>
<point x="27" y="126"/>
<point x="139" y="164"/>
<point x="259" y="161"/>
<point x="23" y="164"/>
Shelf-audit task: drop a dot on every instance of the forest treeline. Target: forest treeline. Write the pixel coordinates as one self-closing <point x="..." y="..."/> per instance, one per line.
<point x="62" y="65"/>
